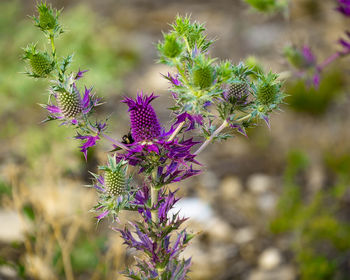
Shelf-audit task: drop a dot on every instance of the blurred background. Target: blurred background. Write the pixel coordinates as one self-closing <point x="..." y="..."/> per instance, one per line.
<point x="273" y="206"/>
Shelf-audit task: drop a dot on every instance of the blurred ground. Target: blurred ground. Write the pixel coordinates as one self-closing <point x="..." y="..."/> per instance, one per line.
<point x="247" y="230"/>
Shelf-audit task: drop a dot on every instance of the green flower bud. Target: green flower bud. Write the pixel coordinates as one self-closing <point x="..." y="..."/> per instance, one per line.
<point x="69" y="103"/>
<point x="294" y="56"/>
<point x="41" y="64"/>
<point x="266" y="93"/>
<point x="203" y="76"/>
<point x="46" y="20"/>
<point x="171" y="47"/>
<point x="115" y="182"/>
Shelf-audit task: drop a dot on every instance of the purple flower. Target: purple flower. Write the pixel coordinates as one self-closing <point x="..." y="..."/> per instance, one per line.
<point x="143" y="119"/>
<point x="80" y="74"/>
<point x="345" y="43"/>
<point x="308" y="55"/>
<point x="193" y="120"/>
<point x="90" y="141"/>
<point x="344" y="7"/>
<point x="174" y="80"/>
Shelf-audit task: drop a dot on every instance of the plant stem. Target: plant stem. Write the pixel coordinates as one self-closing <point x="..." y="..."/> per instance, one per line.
<point x="115" y="142"/>
<point x="217" y="131"/>
<point x="154" y="202"/>
<point x="176" y="131"/>
<point x="52" y="40"/>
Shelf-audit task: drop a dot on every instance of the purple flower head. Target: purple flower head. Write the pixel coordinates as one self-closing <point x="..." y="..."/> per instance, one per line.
<point x="143" y="119"/>
<point x="344" y="7"/>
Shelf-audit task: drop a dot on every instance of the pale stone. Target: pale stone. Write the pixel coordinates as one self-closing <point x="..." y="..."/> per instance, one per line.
<point x="193" y="208"/>
<point x="285" y="272"/>
<point x="231" y="188"/>
<point x="267" y="202"/>
<point x="244" y="235"/>
<point x="259" y="183"/>
<point x="219" y="230"/>
<point x="270" y="259"/>
<point x="12" y="228"/>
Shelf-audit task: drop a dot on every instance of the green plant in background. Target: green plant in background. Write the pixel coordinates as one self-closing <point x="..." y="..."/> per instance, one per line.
<point x="314" y="220"/>
<point x="316" y="100"/>
<point x="268" y="6"/>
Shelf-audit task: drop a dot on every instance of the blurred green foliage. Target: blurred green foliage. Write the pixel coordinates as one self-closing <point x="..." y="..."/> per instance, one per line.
<point x="267" y="6"/>
<point x="97" y="45"/>
<point x="315" y="101"/>
<point x="315" y="221"/>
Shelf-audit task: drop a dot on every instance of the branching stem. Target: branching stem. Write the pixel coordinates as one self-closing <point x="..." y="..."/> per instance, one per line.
<point x="217" y="131"/>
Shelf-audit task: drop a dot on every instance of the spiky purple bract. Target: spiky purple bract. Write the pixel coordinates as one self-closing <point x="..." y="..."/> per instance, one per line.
<point x="143" y="119"/>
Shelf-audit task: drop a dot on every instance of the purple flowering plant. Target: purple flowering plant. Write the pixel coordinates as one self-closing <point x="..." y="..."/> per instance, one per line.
<point x="213" y="100"/>
<point x="305" y="61"/>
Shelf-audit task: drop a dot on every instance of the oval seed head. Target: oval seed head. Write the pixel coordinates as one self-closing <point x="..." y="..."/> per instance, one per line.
<point x="115" y="182"/>
<point x="69" y="103"/>
<point x="203" y="76"/>
<point x="266" y="93"/>
<point x="238" y="93"/>
<point x="41" y="64"/>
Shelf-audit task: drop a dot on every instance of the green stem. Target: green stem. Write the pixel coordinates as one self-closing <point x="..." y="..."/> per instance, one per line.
<point x="154" y="202"/>
<point x="52" y="40"/>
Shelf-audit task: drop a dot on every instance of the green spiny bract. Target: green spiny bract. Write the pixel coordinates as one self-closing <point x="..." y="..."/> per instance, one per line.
<point x="69" y="103"/>
<point x="115" y="177"/>
<point x="268" y="89"/>
<point x="171" y="47"/>
<point x="203" y="72"/>
<point x="41" y="63"/>
<point x="48" y="18"/>
<point x="192" y="33"/>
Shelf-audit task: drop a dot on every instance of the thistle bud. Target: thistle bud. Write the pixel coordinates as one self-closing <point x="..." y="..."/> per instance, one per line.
<point x="69" y="103"/>
<point x="266" y="93"/>
<point x="41" y="64"/>
<point x="171" y="47"/>
<point x="115" y="182"/>
<point x="47" y="20"/>
<point x="203" y="76"/>
<point x="238" y="93"/>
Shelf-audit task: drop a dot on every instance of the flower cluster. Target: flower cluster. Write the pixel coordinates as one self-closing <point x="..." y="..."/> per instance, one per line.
<point x="152" y="238"/>
<point x="209" y="95"/>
